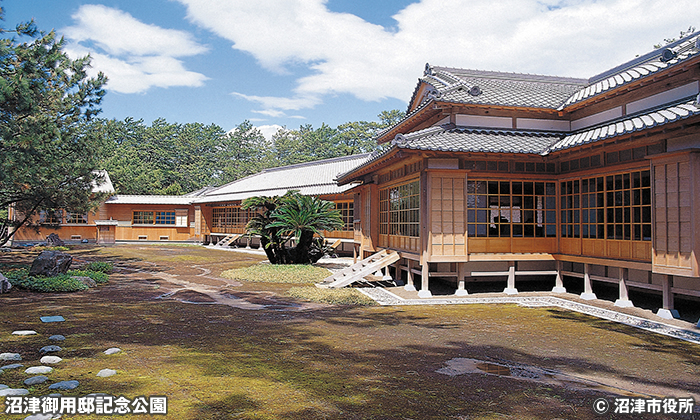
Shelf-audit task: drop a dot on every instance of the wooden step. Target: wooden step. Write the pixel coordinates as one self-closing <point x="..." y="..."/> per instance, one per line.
<point x="358" y="271"/>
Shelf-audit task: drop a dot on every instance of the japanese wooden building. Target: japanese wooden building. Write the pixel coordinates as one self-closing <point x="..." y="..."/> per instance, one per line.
<point x="209" y="216"/>
<point x="513" y="175"/>
<point x="494" y="175"/>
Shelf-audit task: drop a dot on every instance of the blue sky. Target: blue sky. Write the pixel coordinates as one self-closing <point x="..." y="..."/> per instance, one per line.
<point x="293" y="62"/>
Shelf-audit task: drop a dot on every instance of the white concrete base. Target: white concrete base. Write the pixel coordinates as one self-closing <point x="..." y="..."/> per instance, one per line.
<point x="668" y="313"/>
<point x="461" y="292"/>
<point x="425" y="294"/>
<point x="510" y="291"/>
<point x="379" y="273"/>
<point x="588" y="296"/>
<point x="559" y="290"/>
<point x="409" y="288"/>
<point x="387" y="278"/>
<point x="624" y="303"/>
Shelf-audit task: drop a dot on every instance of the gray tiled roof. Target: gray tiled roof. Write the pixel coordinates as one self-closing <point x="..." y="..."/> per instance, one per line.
<point x="644" y="66"/>
<point x="449" y="138"/>
<point x="150" y="199"/>
<point x="629" y="125"/>
<point x="496" y="88"/>
<point x="311" y="178"/>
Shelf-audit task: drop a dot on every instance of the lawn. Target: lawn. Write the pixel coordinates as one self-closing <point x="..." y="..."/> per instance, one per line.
<point x="282" y="358"/>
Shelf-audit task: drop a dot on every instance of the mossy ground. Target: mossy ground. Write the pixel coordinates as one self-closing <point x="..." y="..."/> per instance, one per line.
<point x="327" y="362"/>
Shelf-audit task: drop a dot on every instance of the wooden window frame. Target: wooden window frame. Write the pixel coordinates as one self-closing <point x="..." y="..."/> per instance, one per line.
<point x="164" y="217"/>
<point x="626" y="209"/>
<point x="347" y="213"/>
<point x="139" y="217"/>
<point x="76" y="218"/>
<point x="498" y="208"/>
<point x="399" y="209"/>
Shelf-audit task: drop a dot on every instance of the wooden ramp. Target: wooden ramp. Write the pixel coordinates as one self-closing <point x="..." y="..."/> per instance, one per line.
<point x="227" y="240"/>
<point x="358" y="271"/>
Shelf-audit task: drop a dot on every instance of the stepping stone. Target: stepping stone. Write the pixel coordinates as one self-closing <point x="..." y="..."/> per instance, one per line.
<point x="35" y="380"/>
<point x="42" y="416"/>
<point x="65" y="385"/>
<point x="24" y="332"/>
<point x="112" y="350"/>
<point x="57" y="337"/>
<point x="50" y="360"/>
<point x="12" y="392"/>
<point x="106" y="373"/>
<point x="10" y="356"/>
<point x="38" y="369"/>
<point x="12" y="366"/>
<point x="56" y="318"/>
<point x="49" y="349"/>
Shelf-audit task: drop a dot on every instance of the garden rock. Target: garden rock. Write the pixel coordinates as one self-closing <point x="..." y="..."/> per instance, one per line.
<point x="12" y="392"/>
<point x="86" y="281"/>
<point x="106" y="373"/>
<point x="12" y="366"/>
<point x="34" y="380"/>
<point x="5" y="284"/>
<point x="50" y="360"/>
<point x="54" y="240"/>
<point x="10" y="356"/>
<point x="38" y="369"/>
<point x="50" y="349"/>
<point x="112" y="350"/>
<point x="3" y="386"/>
<point x="65" y="385"/>
<point x="24" y="332"/>
<point x="57" y="318"/>
<point x="43" y="416"/>
<point x="57" y="337"/>
<point x="50" y="264"/>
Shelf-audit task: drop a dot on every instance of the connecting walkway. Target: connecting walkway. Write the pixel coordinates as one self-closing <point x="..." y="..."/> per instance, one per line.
<point x="630" y="316"/>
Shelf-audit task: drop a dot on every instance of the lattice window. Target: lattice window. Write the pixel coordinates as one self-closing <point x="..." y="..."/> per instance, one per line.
<point x="518" y="209"/>
<point x="346" y="209"/>
<point x="399" y="210"/>
<point x="165" y="217"/>
<point x="81" y="218"/>
<point x="615" y="206"/>
<point x="51" y="217"/>
<point x="142" y="218"/>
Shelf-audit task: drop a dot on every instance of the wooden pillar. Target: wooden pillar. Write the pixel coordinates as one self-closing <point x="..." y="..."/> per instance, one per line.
<point x="559" y="282"/>
<point x="461" y="274"/>
<point x="587" y="284"/>
<point x="668" y="311"/>
<point x="624" y="301"/>
<point x="425" y="276"/>
<point x="410" y="285"/>
<point x="510" y="287"/>
<point x="387" y="274"/>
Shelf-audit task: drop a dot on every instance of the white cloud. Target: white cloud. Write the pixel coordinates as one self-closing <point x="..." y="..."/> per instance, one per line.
<point x="347" y="55"/>
<point x="269" y="130"/>
<point x="135" y="56"/>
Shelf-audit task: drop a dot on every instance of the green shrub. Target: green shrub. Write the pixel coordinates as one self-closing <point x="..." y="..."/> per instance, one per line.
<point x="101" y="266"/>
<point x="98" y="276"/>
<point x="346" y="296"/>
<point x="60" y="283"/>
<point x="278" y="273"/>
<point x="50" y="248"/>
